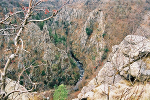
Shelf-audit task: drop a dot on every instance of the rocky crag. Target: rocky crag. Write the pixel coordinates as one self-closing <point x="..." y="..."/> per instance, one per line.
<point x="125" y="75"/>
<point x="88" y="29"/>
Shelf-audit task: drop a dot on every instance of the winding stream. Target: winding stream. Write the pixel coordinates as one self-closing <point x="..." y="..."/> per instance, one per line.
<point x="81" y="70"/>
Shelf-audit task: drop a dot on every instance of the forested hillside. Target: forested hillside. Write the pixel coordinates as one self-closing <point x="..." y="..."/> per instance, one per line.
<point x="72" y="46"/>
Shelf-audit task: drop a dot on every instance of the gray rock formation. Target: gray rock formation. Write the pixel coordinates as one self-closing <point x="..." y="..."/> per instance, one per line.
<point x="14" y="86"/>
<point x="127" y="63"/>
<point x="128" y="58"/>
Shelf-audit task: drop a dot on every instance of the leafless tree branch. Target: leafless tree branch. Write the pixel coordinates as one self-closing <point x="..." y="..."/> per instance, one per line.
<point x="19" y="44"/>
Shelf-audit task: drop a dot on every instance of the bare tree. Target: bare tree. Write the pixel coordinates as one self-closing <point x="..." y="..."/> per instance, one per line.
<point x="18" y="42"/>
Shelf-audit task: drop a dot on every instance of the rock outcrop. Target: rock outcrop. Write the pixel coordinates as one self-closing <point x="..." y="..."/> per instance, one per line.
<point x="17" y="91"/>
<point x="74" y="21"/>
<point x="125" y="74"/>
<point x="128" y="57"/>
<point x="108" y="22"/>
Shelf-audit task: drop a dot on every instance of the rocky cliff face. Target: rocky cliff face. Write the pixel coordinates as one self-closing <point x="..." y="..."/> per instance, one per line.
<point x="90" y="32"/>
<point x="88" y="29"/>
<point x="74" y="23"/>
<point x="46" y="51"/>
<point x="52" y="63"/>
<point x="124" y="72"/>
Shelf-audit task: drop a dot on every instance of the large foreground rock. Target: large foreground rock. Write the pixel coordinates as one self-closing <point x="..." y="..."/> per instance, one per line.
<point x="21" y="92"/>
<point x="125" y="75"/>
<point x="130" y="55"/>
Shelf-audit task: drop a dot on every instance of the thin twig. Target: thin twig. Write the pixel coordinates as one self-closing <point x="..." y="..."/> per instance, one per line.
<point x="53" y="15"/>
<point x="9" y="15"/>
<point x="9" y="29"/>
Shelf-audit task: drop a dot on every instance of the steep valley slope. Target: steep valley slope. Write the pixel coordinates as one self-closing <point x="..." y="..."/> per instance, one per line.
<point x="85" y="28"/>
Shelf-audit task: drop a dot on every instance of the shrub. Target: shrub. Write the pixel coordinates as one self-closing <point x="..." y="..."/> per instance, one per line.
<point x="35" y="51"/>
<point x="2" y="45"/>
<point x="66" y="24"/>
<point x="67" y="31"/>
<point x="21" y="77"/>
<point x="57" y="23"/>
<point x="37" y="17"/>
<point x="50" y="31"/>
<point x="87" y="2"/>
<point x="61" y="93"/>
<point x="21" y="82"/>
<point x="41" y="24"/>
<point x="76" y="76"/>
<point x="104" y="56"/>
<point x="14" y="21"/>
<point x="104" y="35"/>
<point x="73" y="64"/>
<point x="45" y="82"/>
<point x="43" y="73"/>
<point x="106" y="49"/>
<point x="51" y="84"/>
<point x="57" y="56"/>
<point x="59" y="39"/>
<point x="43" y="61"/>
<point x="93" y="57"/>
<point x="28" y="71"/>
<point x="89" y="31"/>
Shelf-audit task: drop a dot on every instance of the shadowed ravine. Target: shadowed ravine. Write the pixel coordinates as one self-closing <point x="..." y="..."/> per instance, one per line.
<point x="81" y="70"/>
